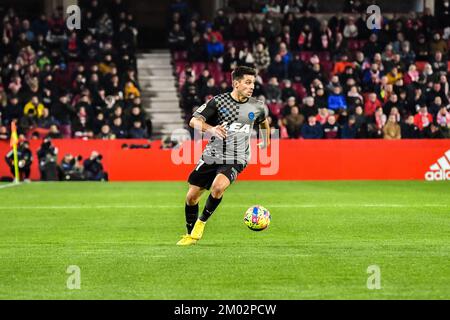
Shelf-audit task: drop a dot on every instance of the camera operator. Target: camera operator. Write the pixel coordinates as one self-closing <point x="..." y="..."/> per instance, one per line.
<point x="47" y="156"/>
<point x="25" y="159"/>
<point x="70" y="168"/>
<point x="93" y="168"/>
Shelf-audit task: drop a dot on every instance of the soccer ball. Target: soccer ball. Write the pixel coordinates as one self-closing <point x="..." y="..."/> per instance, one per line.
<point x="257" y="218"/>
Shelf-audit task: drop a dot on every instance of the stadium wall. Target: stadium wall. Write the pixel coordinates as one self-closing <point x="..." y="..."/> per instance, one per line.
<point x="298" y="160"/>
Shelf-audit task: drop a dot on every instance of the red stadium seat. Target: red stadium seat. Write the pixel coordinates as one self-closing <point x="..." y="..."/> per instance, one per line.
<point x="216" y="71"/>
<point x="327" y="67"/>
<point x="362" y="43"/>
<point x="324" y="56"/>
<point x="300" y="90"/>
<point x="306" y="55"/>
<point x="353" y="44"/>
<point x="179" y="67"/>
<point x="198" y="67"/>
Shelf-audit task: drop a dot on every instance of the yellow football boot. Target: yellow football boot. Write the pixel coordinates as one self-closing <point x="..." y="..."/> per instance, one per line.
<point x="197" y="232"/>
<point x="187" y="240"/>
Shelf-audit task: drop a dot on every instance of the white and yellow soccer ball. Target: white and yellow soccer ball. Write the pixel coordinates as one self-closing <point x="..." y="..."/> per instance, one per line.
<point x="257" y="218"/>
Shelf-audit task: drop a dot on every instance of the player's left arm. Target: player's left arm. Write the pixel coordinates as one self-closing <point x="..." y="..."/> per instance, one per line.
<point x="265" y="132"/>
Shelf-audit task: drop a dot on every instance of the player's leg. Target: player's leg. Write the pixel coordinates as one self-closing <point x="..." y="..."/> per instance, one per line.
<point x="191" y="206"/>
<point x="218" y="187"/>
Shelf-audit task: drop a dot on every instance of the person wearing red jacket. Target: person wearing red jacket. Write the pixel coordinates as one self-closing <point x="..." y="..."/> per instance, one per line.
<point x="371" y="105"/>
<point x="423" y="119"/>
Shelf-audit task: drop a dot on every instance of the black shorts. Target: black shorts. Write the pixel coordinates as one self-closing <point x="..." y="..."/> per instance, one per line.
<point x="204" y="174"/>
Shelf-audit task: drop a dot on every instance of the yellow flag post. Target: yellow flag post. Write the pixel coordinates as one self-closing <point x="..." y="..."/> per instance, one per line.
<point x="13" y="143"/>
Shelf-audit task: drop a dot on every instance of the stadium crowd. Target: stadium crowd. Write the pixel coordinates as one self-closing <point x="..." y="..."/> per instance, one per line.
<point x="59" y="83"/>
<point x="328" y="78"/>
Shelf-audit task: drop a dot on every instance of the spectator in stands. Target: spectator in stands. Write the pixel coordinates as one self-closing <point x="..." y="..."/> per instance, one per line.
<point x="392" y="129"/>
<point x="271" y="26"/>
<point x="288" y="91"/>
<point x="309" y="108"/>
<point x="27" y="122"/>
<point x="4" y="135"/>
<point x="209" y="90"/>
<point x="331" y="128"/>
<point x="240" y="28"/>
<point x="296" y="69"/>
<point x="54" y="132"/>
<point x="246" y="57"/>
<point x="214" y="43"/>
<point x="46" y="120"/>
<point x="63" y="113"/>
<point x="336" y="100"/>
<point x="376" y="123"/>
<point x="34" y="107"/>
<point x="423" y="120"/>
<point x="13" y="110"/>
<point x="135" y="115"/>
<point x="443" y="121"/>
<point x="106" y="133"/>
<point x="222" y="23"/>
<point x="293" y="123"/>
<point x="422" y="48"/>
<point x="312" y="129"/>
<point x="277" y="68"/>
<point x="438" y="44"/>
<point x="349" y="130"/>
<point x="435" y="106"/>
<point x="322" y="116"/>
<point x="371" y="104"/>
<point x="350" y="29"/>
<point x="230" y="60"/>
<point x="118" y="129"/>
<point x="406" y="54"/>
<point x="291" y="102"/>
<point x="273" y="91"/>
<point x="408" y="129"/>
<point x="190" y="100"/>
<point x="177" y="38"/>
<point x="438" y="63"/>
<point x="137" y="131"/>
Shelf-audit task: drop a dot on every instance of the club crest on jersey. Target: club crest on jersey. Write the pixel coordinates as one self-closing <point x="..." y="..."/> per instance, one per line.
<point x="224" y="110"/>
<point x="251" y="115"/>
<point x="238" y="127"/>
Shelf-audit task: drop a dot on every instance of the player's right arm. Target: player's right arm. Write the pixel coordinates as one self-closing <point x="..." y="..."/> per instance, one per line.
<point x="208" y="113"/>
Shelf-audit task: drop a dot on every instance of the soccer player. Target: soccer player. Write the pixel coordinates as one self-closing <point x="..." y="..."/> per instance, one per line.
<point x="229" y="118"/>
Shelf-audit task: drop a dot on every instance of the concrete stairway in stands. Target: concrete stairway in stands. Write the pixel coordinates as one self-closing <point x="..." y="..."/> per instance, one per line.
<point x="159" y="94"/>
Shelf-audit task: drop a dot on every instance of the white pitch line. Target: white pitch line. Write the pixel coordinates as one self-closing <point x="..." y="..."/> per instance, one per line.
<point x="64" y="207"/>
<point x="10" y="185"/>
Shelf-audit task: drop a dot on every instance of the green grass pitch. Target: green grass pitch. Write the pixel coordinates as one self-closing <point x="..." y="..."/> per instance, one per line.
<point x="322" y="239"/>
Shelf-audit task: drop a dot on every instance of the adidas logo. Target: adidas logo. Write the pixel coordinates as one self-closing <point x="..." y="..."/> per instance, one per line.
<point x="440" y="170"/>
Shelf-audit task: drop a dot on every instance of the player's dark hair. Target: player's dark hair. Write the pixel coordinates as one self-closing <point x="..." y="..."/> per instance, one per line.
<point x="241" y="71"/>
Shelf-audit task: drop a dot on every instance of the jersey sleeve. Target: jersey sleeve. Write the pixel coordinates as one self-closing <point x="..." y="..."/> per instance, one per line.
<point x="207" y="112"/>
<point x="263" y="114"/>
